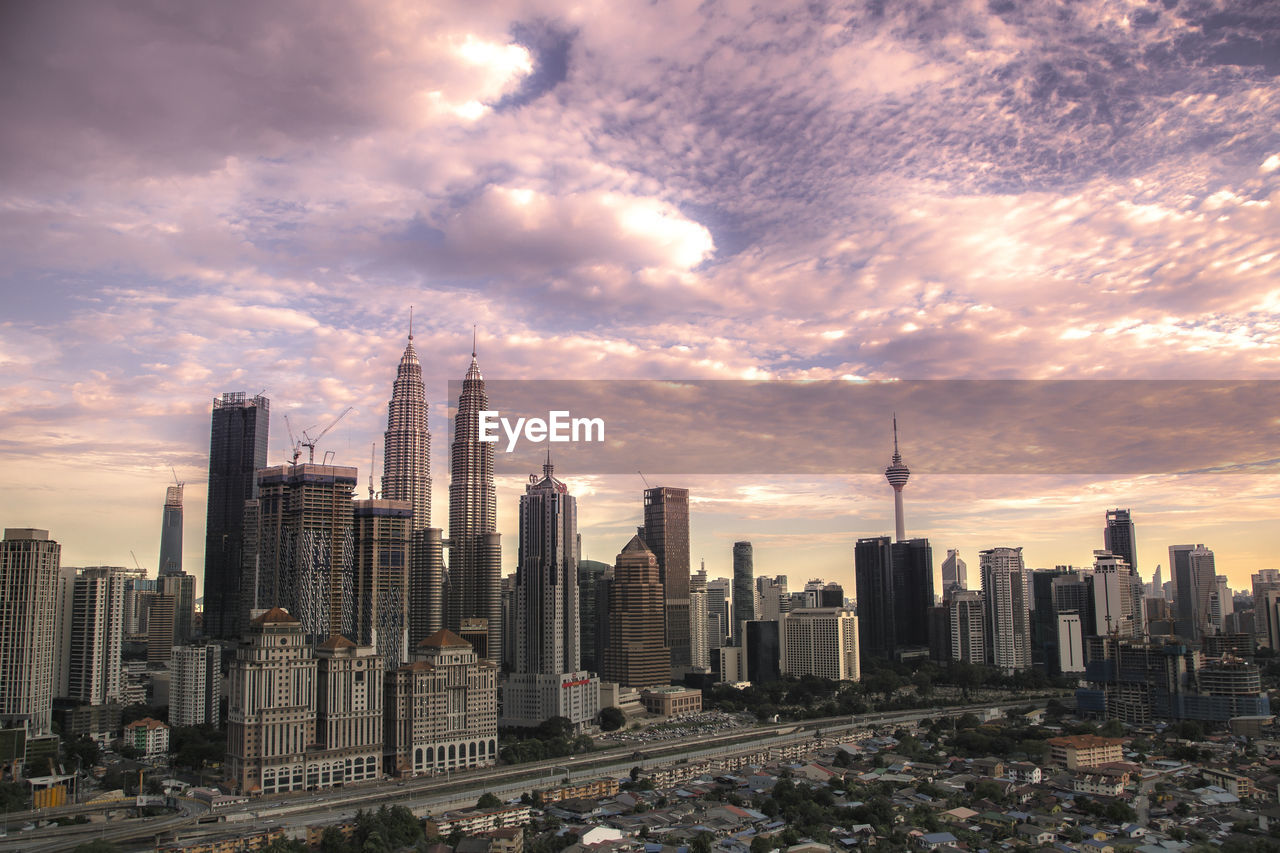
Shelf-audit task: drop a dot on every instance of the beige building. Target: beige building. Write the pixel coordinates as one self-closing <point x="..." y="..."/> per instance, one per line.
<point x="821" y="641"/>
<point x="271" y="708"/>
<point x="441" y="709"/>
<point x="349" y="696"/>
<point x="670" y="701"/>
<point x="29" y="562"/>
<point x="150" y="737"/>
<point x="1084" y="751"/>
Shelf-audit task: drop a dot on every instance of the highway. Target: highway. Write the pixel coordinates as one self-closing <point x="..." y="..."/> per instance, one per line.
<point x="432" y="795"/>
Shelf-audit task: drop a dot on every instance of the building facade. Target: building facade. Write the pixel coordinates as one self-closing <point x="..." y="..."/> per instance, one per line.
<point x="967" y="620"/>
<point x="1194" y="581"/>
<point x="305" y="543"/>
<point x="1004" y="588"/>
<point x="195" y="686"/>
<point x="237" y="448"/>
<point x="666" y="532"/>
<point x="546" y="677"/>
<point x="441" y="709"/>
<point x="349" y="719"/>
<point x="378" y="611"/>
<point x="28" y="625"/>
<point x="95" y="635"/>
<point x="744" y="597"/>
<point x="474" y="589"/>
<point x="634" y="653"/>
<point x="821" y="641"/>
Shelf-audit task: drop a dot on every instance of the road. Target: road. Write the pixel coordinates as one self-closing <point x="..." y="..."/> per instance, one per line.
<point x="436" y="794"/>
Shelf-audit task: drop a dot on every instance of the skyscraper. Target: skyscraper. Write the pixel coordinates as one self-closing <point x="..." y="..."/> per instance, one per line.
<point x="912" y="593"/>
<point x="897" y="474"/>
<point x="966" y="614"/>
<point x="96" y="635"/>
<point x="719" y="599"/>
<point x="305" y="543"/>
<point x="377" y="612"/>
<point x="237" y="448"/>
<point x="744" y="594"/>
<point x="29" y="616"/>
<point x="666" y="532"/>
<point x="1113" y="600"/>
<point x="698" y="640"/>
<point x="635" y="652"/>
<point x="171" y="532"/>
<point x="772" y="599"/>
<point x="821" y="641"/>
<point x="1194" y="582"/>
<point x="1008" y="601"/>
<point x="1118" y="538"/>
<point x="406" y="476"/>
<point x="546" y="678"/>
<point x="954" y="573"/>
<point x="873" y="588"/>
<point x="475" y="552"/>
<point x="590" y="619"/>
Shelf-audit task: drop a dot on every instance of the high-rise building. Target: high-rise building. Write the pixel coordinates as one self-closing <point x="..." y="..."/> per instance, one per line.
<point x="772" y="599"/>
<point x="821" y="641"/>
<point x="305" y="543"/>
<point x="635" y="653"/>
<point x="1112" y="596"/>
<point x="873" y="582"/>
<point x="1008" y="613"/>
<point x="546" y="678"/>
<point x="441" y="709"/>
<point x="897" y="474"/>
<point x="955" y="574"/>
<point x="474" y="589"/>
<point x="171" y="531"/>
<point x="1194" y="581"/>
<point x="28" y="625"/>
<point x="377" y="614"/>
<point x="1157" y="583"/>
<point x="762" y="645"/>
<point x="96" y="635"/>
<point x="237" y="448"/>
<point x="744" y="593"/>
<point x="349" y="720"/>
<point x="699" y="646"/>
<point x="1225" y="603"/>
<point x="589" y="622"/>
<point x="966" y="617"/>
<point x="666" y="532"/>
<point x="271" y="706"/>
<point x="195" y="686"/>
<point x="719" y="607"/>
<point x="912" y="593"/>
<point x="162" y="623"/>
<point x="1118" y="538"/>
<point x="182" y="588"/>
<point x="406" y="476"/>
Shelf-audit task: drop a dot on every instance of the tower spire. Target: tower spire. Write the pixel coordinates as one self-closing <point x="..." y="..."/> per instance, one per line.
<point x="897" y="474"/>
<point x="547" y="467"/>
<point x="473" y="340"/>
<point x="410" y="322"/>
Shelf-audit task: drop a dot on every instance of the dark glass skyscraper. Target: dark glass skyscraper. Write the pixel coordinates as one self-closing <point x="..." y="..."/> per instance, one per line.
<point x="873" y="581"/>
<point x="590" y="573"/>
<point x="475" y="551"/>
<point x="744" y="589"/>
<point x="237" y="448"/>
<point x="171" y="532"/>
<point x="912" y="593"/>
<point x="666" y="532"/>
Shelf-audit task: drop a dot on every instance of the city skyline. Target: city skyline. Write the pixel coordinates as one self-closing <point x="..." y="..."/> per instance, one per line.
<point x="825" y="192"/>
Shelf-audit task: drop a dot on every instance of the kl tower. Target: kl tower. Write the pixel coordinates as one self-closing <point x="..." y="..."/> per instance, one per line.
<point x="897" y="474"/>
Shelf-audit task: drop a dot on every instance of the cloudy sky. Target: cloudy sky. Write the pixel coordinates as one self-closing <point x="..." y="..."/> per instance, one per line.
<point x="198" y="198"/>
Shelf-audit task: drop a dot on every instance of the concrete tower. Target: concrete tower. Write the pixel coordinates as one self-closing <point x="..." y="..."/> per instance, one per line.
<point x="897" y="474"/>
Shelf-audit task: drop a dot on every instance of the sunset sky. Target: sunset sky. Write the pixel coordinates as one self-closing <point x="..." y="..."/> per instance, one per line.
<point x="198" y="198"/>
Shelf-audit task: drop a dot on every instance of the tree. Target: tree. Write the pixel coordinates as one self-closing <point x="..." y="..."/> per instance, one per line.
<point x="285" y="845"/>
<point x="1190" y="730"/>
<point x="612" y="719"/>
<point x="760" y="844"/>
<point x="13" y="797"/>
<point x="488" y="801"/>
<point x="1112" y="728"/>
<point x="701" y="843"/>
<point x="83" y="750"/>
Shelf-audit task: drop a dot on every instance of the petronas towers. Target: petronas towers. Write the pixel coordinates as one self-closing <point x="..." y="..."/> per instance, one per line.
<point x="470" y="599"/>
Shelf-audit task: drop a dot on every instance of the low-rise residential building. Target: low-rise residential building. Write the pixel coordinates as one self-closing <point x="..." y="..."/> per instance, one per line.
<point x="1084" y="751"/>
<point x="476" y="821"/>
<point x="150" y="737"/>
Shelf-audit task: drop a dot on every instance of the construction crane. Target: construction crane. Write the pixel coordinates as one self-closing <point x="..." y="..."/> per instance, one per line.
<point x="293" y="442"/>
<point x="176" y="481"/>
<point x="642" y="477"/>
<point x="310" y="443"/>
